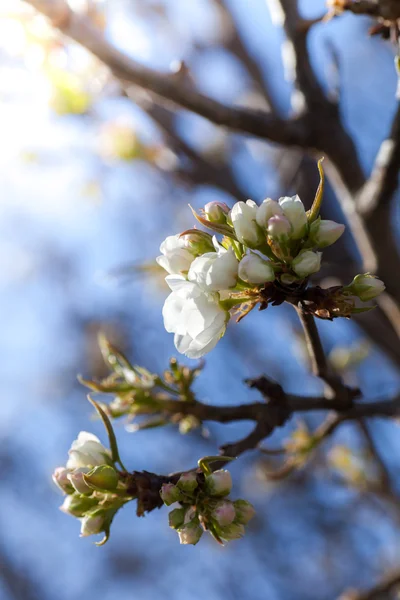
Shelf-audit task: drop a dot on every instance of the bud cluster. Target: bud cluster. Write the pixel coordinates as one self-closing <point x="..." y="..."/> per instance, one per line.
<point x="94" y="491"/>
<point x="273" y="248"/>
<point x="143" y="395"/>
<point x="204" y="506"/>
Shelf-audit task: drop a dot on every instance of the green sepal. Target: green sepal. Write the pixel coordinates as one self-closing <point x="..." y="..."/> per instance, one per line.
<point x="217" y="227"/>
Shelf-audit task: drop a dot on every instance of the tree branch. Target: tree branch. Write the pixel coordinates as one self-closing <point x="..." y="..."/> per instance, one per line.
<point x="258" y="123"/>
<point x="379" y="592"/>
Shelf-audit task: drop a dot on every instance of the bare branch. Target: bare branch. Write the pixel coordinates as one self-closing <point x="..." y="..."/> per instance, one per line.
<point x="258" y="123"/>
<point x="382" y="591"/>
<point x="382" y="184"/>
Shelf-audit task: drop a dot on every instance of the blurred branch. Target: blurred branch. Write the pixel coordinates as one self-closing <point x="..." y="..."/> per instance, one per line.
<point x="383" y="182"/>
<point x="385" y="9"/>
<point x="382" y="591"/>
<point x="166" y="85"/>
<point x="236" y="45"/>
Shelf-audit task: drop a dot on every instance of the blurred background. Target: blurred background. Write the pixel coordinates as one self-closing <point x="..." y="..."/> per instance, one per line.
<point x="92" y="179"/>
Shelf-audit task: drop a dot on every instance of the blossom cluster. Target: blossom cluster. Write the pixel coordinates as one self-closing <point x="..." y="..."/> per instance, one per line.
<point x="93" y="490"/>
<point x="276" y="244"/>
<point x="204" y="506"/>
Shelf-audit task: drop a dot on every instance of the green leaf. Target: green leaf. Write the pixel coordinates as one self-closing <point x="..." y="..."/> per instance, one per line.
<point x="110" y="432"/>
<point x="204" y="463"/>
<point x="217" y="227"/>
<point x="313" y="213"/>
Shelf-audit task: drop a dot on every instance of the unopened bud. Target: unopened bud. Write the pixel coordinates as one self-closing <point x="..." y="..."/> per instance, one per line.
<point x="170" y="493"/>
<point x="103" y="477"/>
<point x="279" y="228"/>
<point x="366" y="287"/>
<point x="243" y="216"/>
<point x="325" y="233"/>
<point x="254" y="269"/>
<point x="187" y="482"/>
<point x="306" y="263"/>
<point x="219" y="483"/>
<point x="77" y="480"/>
<point x="224" y="513"/>
<point x="244" y="511"/>
<point x="176" y="517"/>
<point x="190" y="533"/>
<point x="198" y="242"/>
<point x="92" y="524"/>
<point x="60" y="478"/>
<point x="77" y="505"/>
<point x="294" y="211"/>
<point x="216" y="212"/>
<point x="269" y="208"/>
<point x="231" y="532"/>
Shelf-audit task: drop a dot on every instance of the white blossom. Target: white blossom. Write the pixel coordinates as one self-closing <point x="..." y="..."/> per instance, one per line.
<point x="176" y="256"/>
<point x="194" y="316"/>
<point x="215" y="271"/>
<point x="87" y="451"/>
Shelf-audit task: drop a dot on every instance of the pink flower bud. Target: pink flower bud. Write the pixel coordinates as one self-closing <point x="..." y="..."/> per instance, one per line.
<point x="224" y="513"/>
<point x="187" y="482"/>
<point x="170" y="493"/>
<point x="231" y="532"/>
<point x="244" y="511"/>
<point x="279" y="228"/>
<point x="77" y="480"/>
<point x="216" y="212"/>
<point x="60" y="478"/>
<point x="269" y="208"/>
<point x="190" y="533"/>
<point x="219" y="483"/>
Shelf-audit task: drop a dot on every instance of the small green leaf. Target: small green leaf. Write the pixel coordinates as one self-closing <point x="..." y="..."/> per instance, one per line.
<point x="110" y="432"/>
<point x="204" y="463"/>
<point x="217" y="227"/>
<point x="313" y="213"/>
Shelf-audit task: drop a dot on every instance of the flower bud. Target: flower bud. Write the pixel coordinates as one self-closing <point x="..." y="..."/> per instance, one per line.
<point x="60" y="478"/>
<point x="224" y="513"/>
<point x="170" y="493"/>
<point x="176" y="517"/>
<point x="234" y="531"/>
<point x="216" y="212"/>
<point x="279" y="228"/>
<point x="306" y="262"/>
<point x="253" y="269"/>
<point x="244" y="511"/>
<point x="87" y="451"/>
<point x="187" y="482"/>
<point x="325" y="233"/>
<point x="190" y="533"/>
<point x="219" y="483"/>
<point x="243" y="216"/>
<point x="78" y="482"/>
<point x="294" y="211"/>
<point x="366" y="287"/>
<point x="269" y="208"/>
<point x="77" y="505"/>
<point x="92" y="524"/>
<point x="198" y="242"/>
<point x="103" y="477"/>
